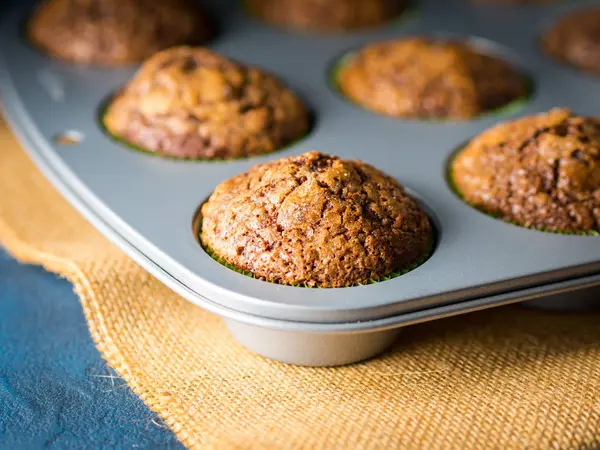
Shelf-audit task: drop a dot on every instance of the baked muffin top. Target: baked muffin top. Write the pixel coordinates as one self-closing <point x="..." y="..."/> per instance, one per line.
<point x="540" y="171"/>
<point x="419" y="77"/>
<point x="114" y="32"/>
<point x="190" y="102"/>
<point x="326" y="15"/>
<point x="575" y="39"/>
<point x="315" y="220"/>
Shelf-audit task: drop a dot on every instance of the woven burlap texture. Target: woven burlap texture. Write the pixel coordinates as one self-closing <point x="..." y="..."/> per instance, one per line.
<point x="509" y="378"/>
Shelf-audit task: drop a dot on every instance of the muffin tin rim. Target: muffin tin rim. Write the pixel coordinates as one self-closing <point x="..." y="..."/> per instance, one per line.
<point x="384" y="323"/>
<point x="402" y="181"/>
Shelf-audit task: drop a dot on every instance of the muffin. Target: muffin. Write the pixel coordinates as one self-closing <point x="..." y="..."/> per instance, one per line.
<point x="540" y="171"/>
<point x="426" y="78"/>
<point x="115" y="32"/>
<point x="326" y="15"/>
<point x="575" y="39"/>
<point x="192" y="103"/>
<point x="315" y="220"/>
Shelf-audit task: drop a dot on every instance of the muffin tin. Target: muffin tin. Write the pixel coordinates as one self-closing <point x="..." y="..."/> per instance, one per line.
<point x="148" y="205"/>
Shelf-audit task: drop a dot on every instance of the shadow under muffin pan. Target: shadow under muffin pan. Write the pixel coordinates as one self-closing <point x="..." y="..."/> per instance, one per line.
<point x="146" y="205"/>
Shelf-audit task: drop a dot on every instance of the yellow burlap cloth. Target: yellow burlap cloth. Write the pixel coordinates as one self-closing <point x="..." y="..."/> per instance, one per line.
<point x="509" y="378"/>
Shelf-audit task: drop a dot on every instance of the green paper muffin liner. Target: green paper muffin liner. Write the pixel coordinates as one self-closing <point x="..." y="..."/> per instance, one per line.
<point x="125" y="143"/>
<point x="459" y="194"/>
<point x="428" y="253"/>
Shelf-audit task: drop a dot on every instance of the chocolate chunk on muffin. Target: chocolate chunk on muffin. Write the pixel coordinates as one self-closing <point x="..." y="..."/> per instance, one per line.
<point x="540" y="171"/>
<point x="315" y="220"/>
<point x="115" y="32"/>
<point x="193" y="103"/>
<point x="327" y="15"/>
<point x="426" y="78"/>
<point x="575" y="39"/>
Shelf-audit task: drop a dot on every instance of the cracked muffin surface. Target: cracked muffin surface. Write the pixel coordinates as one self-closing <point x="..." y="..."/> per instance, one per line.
<point x="315" y="220"/>
<point x="114" y="32"/>
<point x="540" y="171"/>
<point x="326" y="15"/>
<point x="575" y="39"/>
<point x="421" y="77"/>
<point x="192" y="103"/>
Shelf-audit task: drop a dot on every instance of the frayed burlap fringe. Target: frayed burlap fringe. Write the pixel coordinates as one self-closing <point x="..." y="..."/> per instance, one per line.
<point x="511" y="378"/>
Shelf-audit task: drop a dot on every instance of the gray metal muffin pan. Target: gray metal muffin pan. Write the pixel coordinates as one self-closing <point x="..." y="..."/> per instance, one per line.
<point x="146" y="205"/>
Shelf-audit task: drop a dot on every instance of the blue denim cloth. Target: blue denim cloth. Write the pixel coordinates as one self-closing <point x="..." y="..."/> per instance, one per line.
<point x="55" y="390"/>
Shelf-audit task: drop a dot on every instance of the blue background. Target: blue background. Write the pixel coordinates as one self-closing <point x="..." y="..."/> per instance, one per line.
<point x="55" y="389"/>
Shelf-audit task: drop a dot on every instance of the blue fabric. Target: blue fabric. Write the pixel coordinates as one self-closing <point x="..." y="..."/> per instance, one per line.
<point x="55" y="390"/>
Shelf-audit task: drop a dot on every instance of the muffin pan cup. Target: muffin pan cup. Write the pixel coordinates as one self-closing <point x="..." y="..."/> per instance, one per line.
<point x="147" y="205"/>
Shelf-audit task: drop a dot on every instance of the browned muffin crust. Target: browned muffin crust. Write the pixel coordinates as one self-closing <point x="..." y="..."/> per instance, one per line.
<point x="575" y="39"/>
<point x="317" y="220"/>
<point x="539" y="171"/>
<point x="115" y="32"/>
<point x="326" y="15"/>
<point x="192" y="103"/>
<point x="420" y="77"/>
